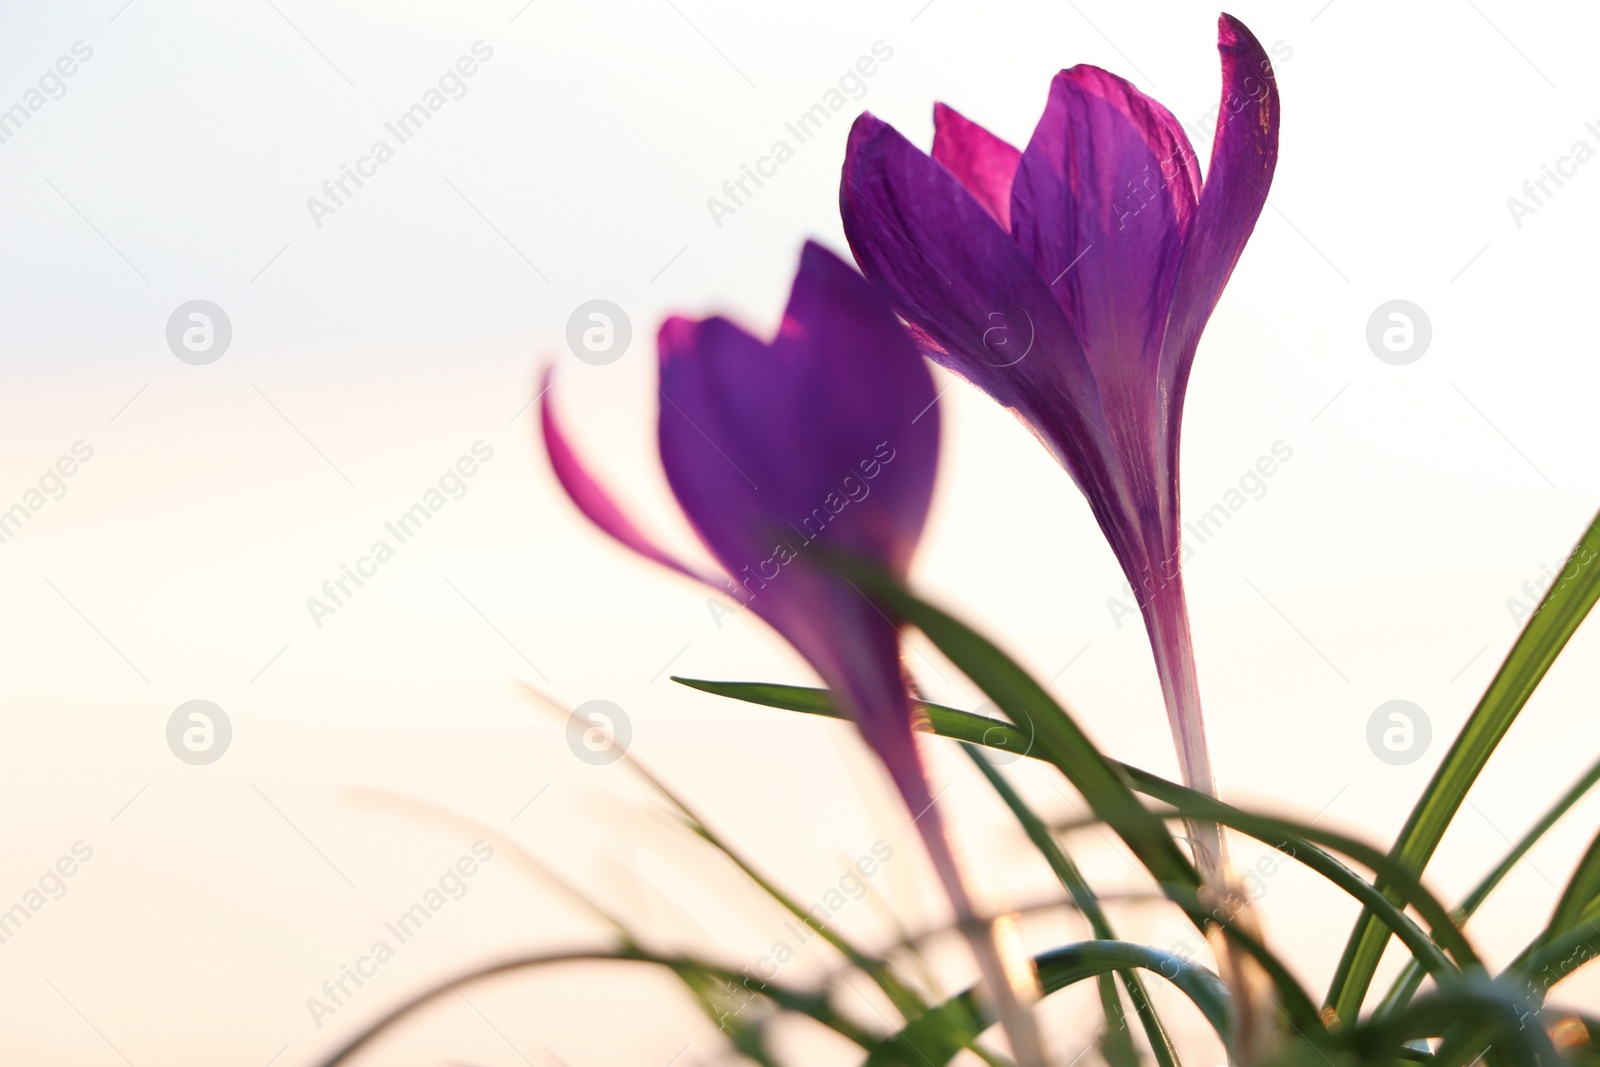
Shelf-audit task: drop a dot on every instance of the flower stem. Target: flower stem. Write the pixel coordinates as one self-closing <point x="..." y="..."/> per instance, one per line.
<point x="1000" y="976"/>
<point x="1166" y="616"/>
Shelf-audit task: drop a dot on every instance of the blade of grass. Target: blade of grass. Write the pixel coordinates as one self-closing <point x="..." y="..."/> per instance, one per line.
<point x="1302" y="840"/>
<point x="980" y="729"/>
<point x="1477" y="1002"/>
<point x="1410" y="980"/>
<point x="1058" y="969"/>
<point x="1558" y="616"/>
<point x="1083" y="896"/>
<point x="748" y="1037"/>
<point x="1058" y="737"/>
<point x="946" y="721"/>
<point x="1578" y="896"/>
<point x="814" y="1005"/>
<point x="905" y="999"/>
<point x="1294" y="1003"/>
<point x="1055" y="733"/>
<point x="1548" y="960"/>
<point x="995" y="733"/>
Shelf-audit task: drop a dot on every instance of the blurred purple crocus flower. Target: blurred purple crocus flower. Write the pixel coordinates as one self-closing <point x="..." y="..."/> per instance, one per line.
<point x="827" y="436"/>
<point x="1071" y="282"/>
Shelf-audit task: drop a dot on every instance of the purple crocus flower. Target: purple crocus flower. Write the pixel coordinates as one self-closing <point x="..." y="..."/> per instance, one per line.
<point x="826" y="436"/>
<point x="1071" y="282"/>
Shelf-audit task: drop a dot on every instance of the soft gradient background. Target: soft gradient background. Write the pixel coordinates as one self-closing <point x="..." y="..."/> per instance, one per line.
<point x="371" y="352"/>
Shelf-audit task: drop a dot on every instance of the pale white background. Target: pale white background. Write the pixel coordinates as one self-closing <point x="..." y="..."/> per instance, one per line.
<point x="410" y="325"/>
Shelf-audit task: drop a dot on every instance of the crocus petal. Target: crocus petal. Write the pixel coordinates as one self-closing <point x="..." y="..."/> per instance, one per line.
<point x="1100" y="211"/>
<point x="1243" y="157"/>
<point x="976" y="303"/>
<point x="1161" y="130"/>
<point x="980" y="161"/>
<point x="828" y="435"/>
<point x="591" y="497"/>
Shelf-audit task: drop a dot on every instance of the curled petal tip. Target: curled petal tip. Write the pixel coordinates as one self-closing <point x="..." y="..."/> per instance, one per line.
<point x="1230" y="28"/>
<point x="985" y="164"/>
<point x="676" y="339"/>
<point x="865" y="123"/>
<point x="817" y="259"/>
<point x="546" y="378"/>
<point x="868" y="131"/>
<point x="589" y="496"/>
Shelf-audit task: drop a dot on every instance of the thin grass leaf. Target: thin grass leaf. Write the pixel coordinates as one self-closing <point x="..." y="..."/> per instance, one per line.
<point x="1083" y="896"/>
<point x="1577" y="897"/>
<point x="745" y="1034"/>
<point x="961" y="1017"/>
<point x="1501" y="1014"/>
<point x="1300" y="840"/>
<point x="1548" y="960"/>
<point x="946" y="721"/>
<point x="1025" y="701"/>
<point x="694" y="973"/>
<point x="1298" y="1009"/>
<point x="1102" y="783"/>
<point x="905" y="999"/>
<point x="1410" y="980"/>
<point x="900" y="994"/>
<point x="980" y="729"/>
<point x="995" y="733"/>
<point x="1558" y="616"/>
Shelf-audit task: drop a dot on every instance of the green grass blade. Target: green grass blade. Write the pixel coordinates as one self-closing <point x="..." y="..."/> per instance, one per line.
<point x="1587" y="781"/>
<point x="1558" y="616"/>
<point x="1084" y="898"/>
<point x="1299" y="838"/>
<point x="1055" y="735"/>
<point x="1293" y="1001"/>
<point x="905" y="999"/>
<point x="1410" y="980"/>
<point x="1578" y="896"/>
<point x="1502" y="1012"/>
<point x="980" y="729"/>
<point x="961" y="1021"/>
<point x="720" y="1001"/>
<point x="1300" y="841"/>
<point x="695" y="974"/>
<point x="1550" y="959"/>
<point x="946" y="721"/>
